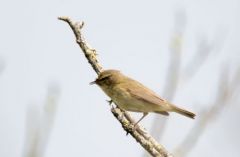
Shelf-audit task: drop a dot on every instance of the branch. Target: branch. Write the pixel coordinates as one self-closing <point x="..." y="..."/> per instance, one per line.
<point x="89" y="53"/>
<point x="141" y="136"/>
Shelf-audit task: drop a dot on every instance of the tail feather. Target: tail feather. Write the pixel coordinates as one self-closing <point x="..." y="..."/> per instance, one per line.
<point x="183" y="112"/>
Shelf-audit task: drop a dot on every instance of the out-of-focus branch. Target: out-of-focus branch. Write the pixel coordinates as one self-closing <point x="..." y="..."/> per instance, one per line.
<point x="235" y="83"/>
<point x="39" y="125"/>
<point x="204" y="49"/>
<point x="175" y="75"/>
<point x="226" y="89"/>
<point x="146" y="141"/>
<point x="172" y="78"/>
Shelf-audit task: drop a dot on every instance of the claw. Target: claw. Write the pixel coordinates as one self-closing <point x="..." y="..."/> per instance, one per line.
<point x="131" y="129"/>
<point x="110" y="102"/>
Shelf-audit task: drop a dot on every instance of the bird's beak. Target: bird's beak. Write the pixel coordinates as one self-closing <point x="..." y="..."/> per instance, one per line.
<point x="93" y="82"/>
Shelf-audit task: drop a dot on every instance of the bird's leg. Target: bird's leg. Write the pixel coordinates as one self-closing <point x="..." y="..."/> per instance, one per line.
<point x="144" y="115"/>
<point x="122" y="115"/>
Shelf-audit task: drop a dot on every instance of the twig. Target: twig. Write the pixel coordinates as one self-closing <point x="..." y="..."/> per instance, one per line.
<point x="146" y="141"/>
<point x="89" y="53"/>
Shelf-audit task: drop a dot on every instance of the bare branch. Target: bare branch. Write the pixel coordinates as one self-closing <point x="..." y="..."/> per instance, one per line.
<point x="141" y="136"/>
<point x="89" y="53"/>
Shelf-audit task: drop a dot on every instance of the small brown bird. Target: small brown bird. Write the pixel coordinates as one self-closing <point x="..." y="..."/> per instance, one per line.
<point x="130" y="95"/>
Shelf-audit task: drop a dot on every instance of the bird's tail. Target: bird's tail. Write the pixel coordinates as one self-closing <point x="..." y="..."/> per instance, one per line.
<point x="183" y="111"/>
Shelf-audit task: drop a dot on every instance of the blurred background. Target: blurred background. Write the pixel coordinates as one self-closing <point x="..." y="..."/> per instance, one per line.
<point x="186" y="51"/>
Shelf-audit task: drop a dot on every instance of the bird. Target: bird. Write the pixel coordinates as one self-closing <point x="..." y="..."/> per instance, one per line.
<point x="130" y="95"/>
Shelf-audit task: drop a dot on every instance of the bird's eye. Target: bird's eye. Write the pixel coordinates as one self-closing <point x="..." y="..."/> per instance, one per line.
<point x="103" y="78"/>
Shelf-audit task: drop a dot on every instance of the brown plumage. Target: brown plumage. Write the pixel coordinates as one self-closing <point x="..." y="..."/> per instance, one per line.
<point x="130" y="95"/>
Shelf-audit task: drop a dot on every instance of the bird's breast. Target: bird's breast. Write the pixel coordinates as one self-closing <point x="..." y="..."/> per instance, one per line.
<point x="126" y="101"/>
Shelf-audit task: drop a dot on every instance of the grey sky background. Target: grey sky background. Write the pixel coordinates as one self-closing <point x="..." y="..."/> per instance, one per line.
<point x="133" y="36"/>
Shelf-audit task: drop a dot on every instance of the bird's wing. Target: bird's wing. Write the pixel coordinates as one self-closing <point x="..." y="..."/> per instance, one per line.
<point x="147" y="95"/>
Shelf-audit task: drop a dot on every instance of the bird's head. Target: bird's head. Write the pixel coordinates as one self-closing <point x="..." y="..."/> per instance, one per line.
<point x="108" y="78"/>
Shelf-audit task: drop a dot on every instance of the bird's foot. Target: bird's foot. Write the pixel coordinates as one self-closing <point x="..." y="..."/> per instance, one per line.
<point x="110" y="103"/>
<point x="131" y="128"/>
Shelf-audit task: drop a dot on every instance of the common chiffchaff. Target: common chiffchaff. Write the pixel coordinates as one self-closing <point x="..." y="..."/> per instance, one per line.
<point x="130" y="95"/>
